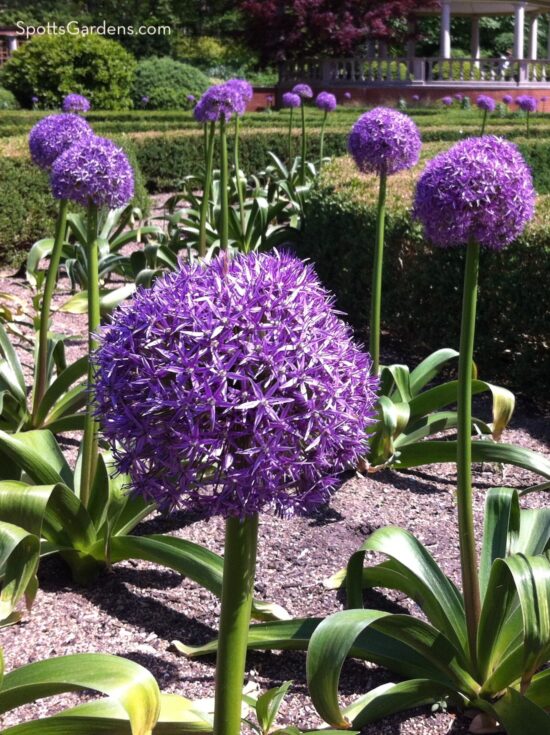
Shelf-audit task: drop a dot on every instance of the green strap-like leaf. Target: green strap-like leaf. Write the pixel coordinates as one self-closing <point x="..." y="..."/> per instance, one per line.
<point x="429" y="368"/>
<point x="400" y="378"/>
<point x="436" y="452"/>
<point x="125" y="681"/>
<point x="38" y="454"/>
<point x="11" y="372"/>
<point x="432" y="424"/>
<point x="500" y="523"/>
<point x="60" y="386"/>
<point x="40" y="249"/>
<point x="517" y="714"/>
<point x="539" y="689"/>
<point x="19" y="552"/>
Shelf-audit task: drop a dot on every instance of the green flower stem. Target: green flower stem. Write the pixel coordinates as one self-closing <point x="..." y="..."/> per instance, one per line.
<point x="322" y="141"/>
<point x="224" y="181"/>
<point x="240" y="192"/>
<point x="376" y="295"/>
<point x="303" y="160"/>
<point x="239" y="564"/>
<point x="89" y="442"/>
<point x="484" y="122"/>
<point x="41" y="382"/>
<point x="528" y="127"/>
<point x="209" y="160"/>
<point x="290" y="138"/>
<point x="468" y="557"/>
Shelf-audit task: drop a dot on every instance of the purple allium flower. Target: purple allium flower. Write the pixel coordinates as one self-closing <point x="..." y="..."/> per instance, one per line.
<point x="95" y="170"/>
<point x="191" y="98"/>
<point x="384" y="140"/>
<point x="486" y="103"/>
<point x="526" y="103"/>
<point x="544" y="98"/>
<point x="52" y="135"/>
<point x="326" y="101"/>
<point x="144" y="100"/>
<point x="221" y="100"/>
<point x="303" y="91"/>
<point x="447" y="101"/>
<point x="243" y="87"/>
<point x="479" y="190"/>
<point x="347" y="95"/>
<point x="291" y="100"/>
<point x="415" y="98"/>
<point x="234" y="387"/>
<point x="76" y="103"/>
<point x="459" y="97"/>
<point x="34" y="99"/>
<point x="507" y="99"/>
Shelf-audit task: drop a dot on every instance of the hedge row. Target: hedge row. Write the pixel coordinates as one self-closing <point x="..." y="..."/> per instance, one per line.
<point x="423" y="284"/>
<point x="28" y="209"/>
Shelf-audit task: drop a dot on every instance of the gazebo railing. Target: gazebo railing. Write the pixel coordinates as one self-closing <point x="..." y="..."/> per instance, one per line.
<point x="404" y="71"/>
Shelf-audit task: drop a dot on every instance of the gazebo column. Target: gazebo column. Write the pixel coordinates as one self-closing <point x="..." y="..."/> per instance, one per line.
<point x="533" y="36"/>
<point x="12" y="44"/>
<point x="445" y="42"/>
<point x="475" y="47"/>
<point x="519" y="30"/>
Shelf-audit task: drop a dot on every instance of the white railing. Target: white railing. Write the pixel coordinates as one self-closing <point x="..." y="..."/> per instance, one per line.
<point x="402" y="71"/>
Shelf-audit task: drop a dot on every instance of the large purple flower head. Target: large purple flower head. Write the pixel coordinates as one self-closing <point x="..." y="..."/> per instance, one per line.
<point x="95" y="171"/>
<point x="526" y="103"/>
<point x="291" y="100"/>
<point x="243" y="87"/>
<point x="384" y="141"/>
<point x="76" y="103"/>
<point x="486" y="103"/>
<point x="234" y="387"/>
<point x="303" y="91"/>
<point x="52" y="135"/>
<point x="221" y="100"/>
<point x="326" y="101"/>
<point x="507" y="99"/>
<point x="480" y="190"/>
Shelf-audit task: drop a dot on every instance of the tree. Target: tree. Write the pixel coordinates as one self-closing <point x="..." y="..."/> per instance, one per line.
<point x="286" y="29"/>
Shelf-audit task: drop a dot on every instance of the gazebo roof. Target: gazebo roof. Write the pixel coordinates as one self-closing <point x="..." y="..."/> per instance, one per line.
<point x="488" y="7"/>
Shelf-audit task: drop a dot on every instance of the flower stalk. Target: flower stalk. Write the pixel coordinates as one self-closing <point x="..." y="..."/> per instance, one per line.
<point x="224" y="182"/>
<point x="207" y="185"/>
<point x="304" y="146"/>
<point x="484" y="122"/>
<point x="376" y="295"/>
<point x="240" y="192"/>
<point x="41" y="381"/>
<point x="468" y="557"/>
<point x="290" y="137"/>
<point x="91" y="426"/>
<point x="241" y="540"/>
<point x="322" y="141"/>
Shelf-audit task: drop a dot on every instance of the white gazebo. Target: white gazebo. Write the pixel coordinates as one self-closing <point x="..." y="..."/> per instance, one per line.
<point x="376" y="69"/>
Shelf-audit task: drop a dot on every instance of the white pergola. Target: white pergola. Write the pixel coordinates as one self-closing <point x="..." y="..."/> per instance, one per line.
<point x="477" y="10"/>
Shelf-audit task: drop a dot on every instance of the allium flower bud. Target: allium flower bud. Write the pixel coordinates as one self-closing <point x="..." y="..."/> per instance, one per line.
<point x="507" y="99"/>
<point x="234" y="387"/>
<point x="303" y="91"/>
<point x="221" y="100"/>
<point x="76" y="103"/>
<point x="384" y="141"/>
<point x="479" y="190"/>
<point x="526" y="103"/>
<point x="291" y="100"/>
<point x="447" y="101"/>
<point x="326" y="101"/>
<point x="52" y="135"/>
<point x="486" y="103"/>
<point x="95" y="171"/>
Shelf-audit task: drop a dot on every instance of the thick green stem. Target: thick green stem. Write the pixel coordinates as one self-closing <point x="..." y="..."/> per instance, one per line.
<point x="468" y="557"/>
<point x="528" y="127"/>
<point x="303" y="159"/>
<point x="290" y="138"/>
<point x="239" y="564"/>
<point x="322" y="141"/>
<point x="89" y="441"/>
<point x="240" y="192"/>
<point x="41" y="380"/>
<point x="376" y="295"/>
<point x="484" y="122"/>
<point x="224" y="182"/>
<point x="209" y="160"/>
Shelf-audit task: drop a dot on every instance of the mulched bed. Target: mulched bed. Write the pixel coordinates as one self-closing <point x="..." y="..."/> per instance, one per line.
<point x="137" y="609"/>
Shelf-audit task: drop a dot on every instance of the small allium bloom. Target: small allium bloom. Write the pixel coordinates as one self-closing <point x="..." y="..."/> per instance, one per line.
<point x="76" y="103"/>
<point x="303" y="91"/>
<point x="459" y="97"/>
<point x="507" y="99"/>
<point x="52" y="135"/>
<point x="191" y="98"/>
<point x="291" y="100"/>
<point x="526" y="103"/>
<point x="221" y="100"/>
<point x="234" y="387"/>
<point x="447" y="101"/>
<point x="95" y="171"/>
<point x="486" y="103"/>
<point x="480" y="190"/>
<point x="144" y="100"/>
<point x="326" y="101"/>
<point x="347" y="95"/>
<point x="384" y="140"/>
<point x="34" y="99"/>
<point x="415" y="98"/>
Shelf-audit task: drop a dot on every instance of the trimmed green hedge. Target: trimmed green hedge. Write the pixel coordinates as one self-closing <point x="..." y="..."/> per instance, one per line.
<point x="28" y="209"/>
<point x="423" y="284"/>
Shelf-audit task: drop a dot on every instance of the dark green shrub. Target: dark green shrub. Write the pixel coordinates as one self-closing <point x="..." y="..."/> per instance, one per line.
<point x="7" y="100"/>
<point x="53" y="66"/>
<point x="423" y="284"/>
<point x="167" y="83"/>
